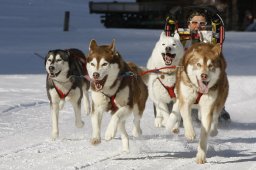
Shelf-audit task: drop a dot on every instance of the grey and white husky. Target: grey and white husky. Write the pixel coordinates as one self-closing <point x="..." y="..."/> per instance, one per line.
<point x="65" y="82"/>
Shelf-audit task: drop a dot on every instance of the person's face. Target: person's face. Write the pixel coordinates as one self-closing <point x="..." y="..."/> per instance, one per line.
<point x="197" y="23"/>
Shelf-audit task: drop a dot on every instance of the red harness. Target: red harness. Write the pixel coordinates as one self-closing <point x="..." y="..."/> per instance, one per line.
<point x="198" y="97"/>
<point x="169" y="89"/>
<point x="113" y="104"/>
<point x="60" y="93"/>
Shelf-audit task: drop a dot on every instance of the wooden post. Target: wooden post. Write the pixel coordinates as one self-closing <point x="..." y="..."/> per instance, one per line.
<point x="66" y="21"/>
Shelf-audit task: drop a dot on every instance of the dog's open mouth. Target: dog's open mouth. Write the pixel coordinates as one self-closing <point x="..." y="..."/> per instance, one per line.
<point x="53" y="74"/>
<point x="203" y="86"/>
<point x="168" y="58"/>
<point x="99" y="84"/>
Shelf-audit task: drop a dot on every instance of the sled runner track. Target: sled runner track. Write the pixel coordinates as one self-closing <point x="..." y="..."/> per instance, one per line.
<point x="21" y="150"/>
<point x="97" y="161"/>
<point x="24" y="106"/>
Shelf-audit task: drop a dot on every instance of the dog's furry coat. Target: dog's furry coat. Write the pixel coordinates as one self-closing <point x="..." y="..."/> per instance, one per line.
<point x="65" y="81"/>
<point x="203" y="75"/>
<point x="116" y="87"/>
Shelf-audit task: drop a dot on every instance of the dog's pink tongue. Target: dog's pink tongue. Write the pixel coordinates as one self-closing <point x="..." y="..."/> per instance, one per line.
<point x="168" y="59"/>
<point x="202" y="87"/>
<point x="98" y="86"/>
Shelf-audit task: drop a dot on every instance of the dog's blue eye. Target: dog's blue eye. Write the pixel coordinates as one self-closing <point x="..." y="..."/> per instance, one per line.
<point x="50" y="60"/>
<point x="58" y="60"/>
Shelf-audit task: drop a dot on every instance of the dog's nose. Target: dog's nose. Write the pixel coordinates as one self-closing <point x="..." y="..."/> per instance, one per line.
<point x="204" y="76"/>
<point x="96" y="75"/>
<point x="51" y="68"/>
<point x="168" y="49"/>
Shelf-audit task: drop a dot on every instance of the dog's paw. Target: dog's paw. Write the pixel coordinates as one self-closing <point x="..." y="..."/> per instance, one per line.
<point x="213" y="132"/>
<point x="110" y="133"/>
<point x="79" y="124"/>
<point x="55" y="135"/>
<point x="190" y="135"/>
<point x="158" y="122"/>
<point x="136" y="132"/>
<point x="95" y="141"/>
<point x="175" y="130"/>
<point x="200" y="158"/>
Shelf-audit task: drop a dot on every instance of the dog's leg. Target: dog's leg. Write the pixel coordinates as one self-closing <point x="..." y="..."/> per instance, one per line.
<point x="96" y="118"/>
<point x="159" y="117"/>
<point x="87" y="108"/>
<point x="55" y="119"/>
<point x="185" y="111"/>
<point x="120" y="115"/>
<point x="173" y="122"/>
<point x="136" y="122"/>
<point x="162" y="114"/>
<point x="77" y="109"/>
<point x="214" y="124"/>
<point x="124" y="136"/>
<point x="206" y="120"/>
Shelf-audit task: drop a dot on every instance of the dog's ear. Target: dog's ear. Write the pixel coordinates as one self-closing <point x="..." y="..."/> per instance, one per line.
<point x="217" y="49"/>
<point x="162" y="35"/>
<point x="112" y="46"/>
<point x="176" y="36"/>
<point x="93" y="45"/>
<point x="46" y="57"/>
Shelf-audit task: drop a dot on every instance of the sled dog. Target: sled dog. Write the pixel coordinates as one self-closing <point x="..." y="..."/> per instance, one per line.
<point x="65" y="82"/>
<point x="117" y="87"/>
<point x="202" y="83"/>
<point x="168" y="51"/>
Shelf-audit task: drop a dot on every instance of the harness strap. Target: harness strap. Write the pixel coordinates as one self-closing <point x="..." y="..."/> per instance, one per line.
<point x="60" y="93"/>
<point x="198" y="97"/>
<point x="113" y="104"/>
<point x="157" y="70"/>
<point x="169" y="89"/>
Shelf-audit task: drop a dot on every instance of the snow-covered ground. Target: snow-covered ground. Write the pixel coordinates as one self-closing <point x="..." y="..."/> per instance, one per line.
<point x="35" y="26"/>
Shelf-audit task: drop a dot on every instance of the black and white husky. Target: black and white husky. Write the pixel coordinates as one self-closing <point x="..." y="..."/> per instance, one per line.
<point x="65" y="82"/>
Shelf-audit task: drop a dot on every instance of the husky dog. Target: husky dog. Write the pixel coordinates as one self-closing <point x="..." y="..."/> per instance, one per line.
<point x="202" y="83"/>
<point x="117" y="87"/>
<point x="65" y="71"/>
<point x="168" y="51"/>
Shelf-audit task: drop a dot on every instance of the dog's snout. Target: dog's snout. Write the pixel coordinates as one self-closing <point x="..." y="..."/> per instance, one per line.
<point x="51" y="68"/>
<point x="168" y="49"/>
<point x="96" y="75"/>
<point x="204" y="76"/>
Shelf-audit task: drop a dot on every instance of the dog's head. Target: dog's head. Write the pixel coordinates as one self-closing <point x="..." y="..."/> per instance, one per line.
<point x="103" y="64"/>
<point x="170" y="49"/>
<point x="204" y="65"/>
<point x="56" y="63"/>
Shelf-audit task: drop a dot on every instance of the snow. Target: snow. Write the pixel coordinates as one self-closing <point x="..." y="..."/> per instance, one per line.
<point x="36" y="26"/>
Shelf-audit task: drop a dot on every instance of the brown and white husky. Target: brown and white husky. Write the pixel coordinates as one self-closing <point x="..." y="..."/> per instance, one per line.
<point x="202" y="83"/>
<point x="117" y="87"/>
